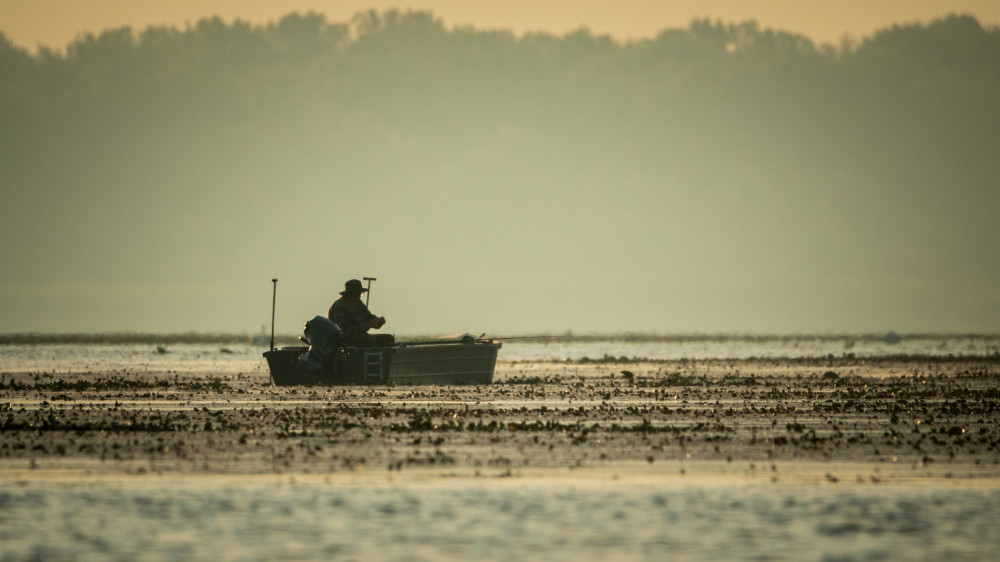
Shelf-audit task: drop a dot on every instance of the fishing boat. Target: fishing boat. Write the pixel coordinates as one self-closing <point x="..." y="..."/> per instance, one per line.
<point x="325" y="359"/>
<point x="466" y="360"/>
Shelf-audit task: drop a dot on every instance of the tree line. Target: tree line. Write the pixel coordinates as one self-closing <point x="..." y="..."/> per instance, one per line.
<point x="405" y="71"/>
<point x="722" y="118"/>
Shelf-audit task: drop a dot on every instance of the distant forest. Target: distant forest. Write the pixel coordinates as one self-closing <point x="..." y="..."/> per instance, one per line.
<point x="216" y="120"/>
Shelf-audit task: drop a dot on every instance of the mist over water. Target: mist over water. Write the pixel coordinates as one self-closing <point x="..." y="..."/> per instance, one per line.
<point x="720" y="177"/>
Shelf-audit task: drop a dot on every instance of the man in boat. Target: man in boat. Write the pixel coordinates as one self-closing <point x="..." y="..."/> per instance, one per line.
<point x="355" y="319"/>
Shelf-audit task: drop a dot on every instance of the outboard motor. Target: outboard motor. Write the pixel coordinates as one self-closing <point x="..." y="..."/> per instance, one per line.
<point x="325" y="338"/>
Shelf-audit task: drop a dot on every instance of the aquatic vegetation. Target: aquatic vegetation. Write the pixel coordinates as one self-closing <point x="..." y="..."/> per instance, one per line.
<point x="539" y="415"/>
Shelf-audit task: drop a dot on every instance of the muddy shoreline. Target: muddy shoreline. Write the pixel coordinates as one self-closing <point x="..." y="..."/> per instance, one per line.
<point x="829" y="421"/>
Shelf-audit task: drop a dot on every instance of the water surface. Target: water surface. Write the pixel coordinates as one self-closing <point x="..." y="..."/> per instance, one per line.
<point x="230" y="520"/>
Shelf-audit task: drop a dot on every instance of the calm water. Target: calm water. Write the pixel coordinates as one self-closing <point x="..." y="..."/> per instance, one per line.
<point x="230" y="359"/>
<point x="242" y="518"/>
<point x="737" y="348"/>
<point x="229" y="521"/>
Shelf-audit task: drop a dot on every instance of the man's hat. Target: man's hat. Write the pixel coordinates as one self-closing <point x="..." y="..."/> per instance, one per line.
<point x="353" y="286"/>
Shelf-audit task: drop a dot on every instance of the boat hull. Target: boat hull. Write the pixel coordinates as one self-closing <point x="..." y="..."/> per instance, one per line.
<point x="401" y="364"/>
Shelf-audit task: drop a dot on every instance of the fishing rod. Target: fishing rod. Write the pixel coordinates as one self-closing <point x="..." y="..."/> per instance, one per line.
<point x="519" y="338"/>
<point x="469" y="338"/>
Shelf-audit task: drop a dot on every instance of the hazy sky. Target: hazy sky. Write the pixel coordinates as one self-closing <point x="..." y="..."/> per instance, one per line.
<point x="56" y="22"/>
<point x="195" y="248"/>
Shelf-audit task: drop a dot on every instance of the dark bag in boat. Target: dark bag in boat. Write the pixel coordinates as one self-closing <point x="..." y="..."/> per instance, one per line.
<point x="325" y="338"/>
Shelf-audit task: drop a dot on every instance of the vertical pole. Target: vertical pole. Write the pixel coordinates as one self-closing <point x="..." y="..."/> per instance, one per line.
<point x="369" y="287"/>
<point x="274" y="297"/>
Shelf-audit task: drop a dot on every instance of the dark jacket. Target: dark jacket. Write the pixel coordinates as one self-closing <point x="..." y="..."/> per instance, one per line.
<point x="351" y="315"/>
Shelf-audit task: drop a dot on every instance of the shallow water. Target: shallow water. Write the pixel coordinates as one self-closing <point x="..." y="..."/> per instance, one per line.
<point x="744" y="348"/>
<point x="244" y="358"/>
<point x="116" y="358"/>
<point x="248" y="517"/>
<point x="468" y="520"/>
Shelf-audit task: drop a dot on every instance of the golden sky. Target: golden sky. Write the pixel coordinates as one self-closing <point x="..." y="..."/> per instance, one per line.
<point x="54" y="23"/>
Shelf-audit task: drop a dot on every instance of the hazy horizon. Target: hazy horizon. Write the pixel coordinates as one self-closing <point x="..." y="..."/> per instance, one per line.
<point x="712" y="179"/>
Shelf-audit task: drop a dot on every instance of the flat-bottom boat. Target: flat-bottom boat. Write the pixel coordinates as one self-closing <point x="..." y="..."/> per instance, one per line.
<point x="466" y="360"/>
